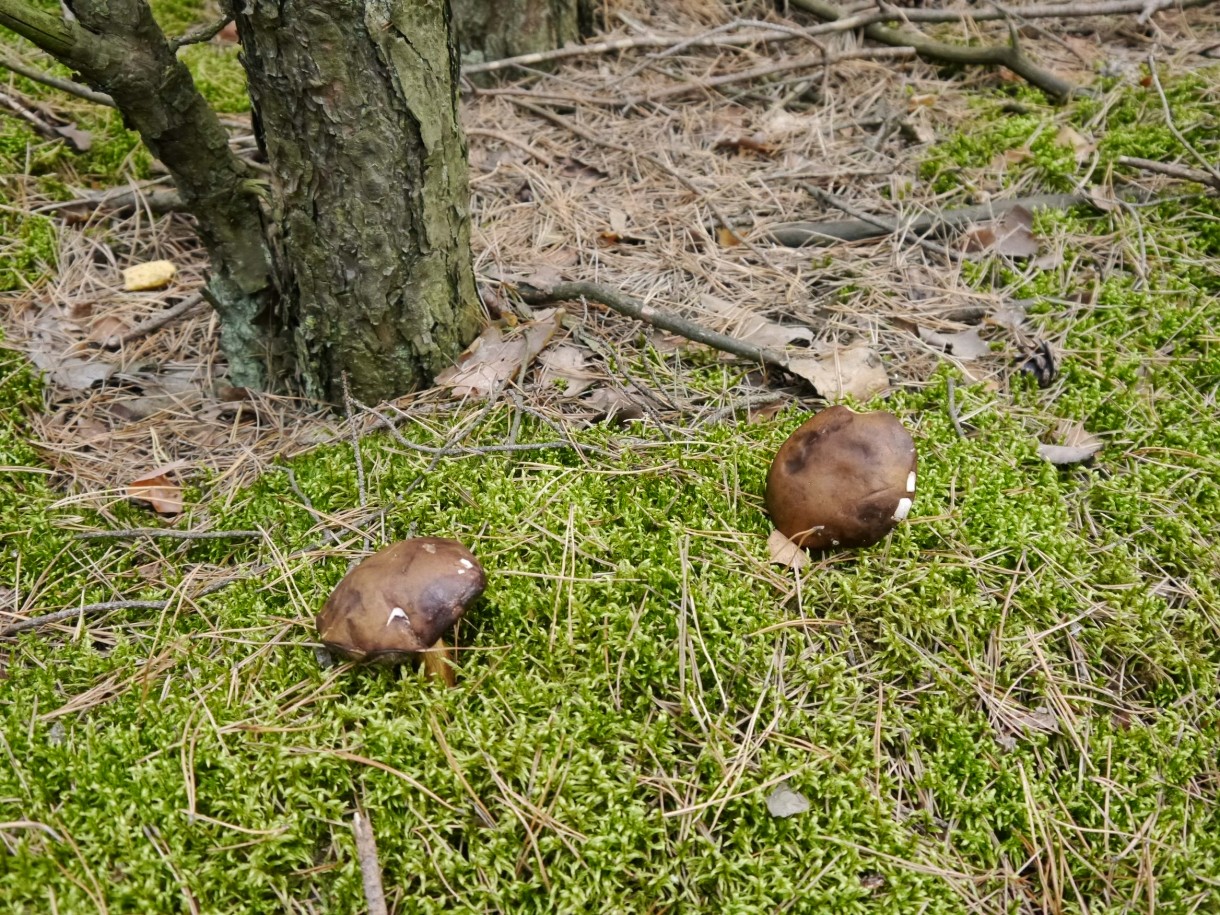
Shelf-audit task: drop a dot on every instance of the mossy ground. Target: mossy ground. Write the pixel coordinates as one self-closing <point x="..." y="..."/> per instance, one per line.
<point x="1012" y="697"/>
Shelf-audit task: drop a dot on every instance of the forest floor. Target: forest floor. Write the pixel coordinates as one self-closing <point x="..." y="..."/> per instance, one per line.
<point x="1010" y="705"/>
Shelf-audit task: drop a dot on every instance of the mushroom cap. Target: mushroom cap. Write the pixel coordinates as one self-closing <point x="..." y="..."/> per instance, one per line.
<point x="842" y="479"/>
<point x="399" y="601"/>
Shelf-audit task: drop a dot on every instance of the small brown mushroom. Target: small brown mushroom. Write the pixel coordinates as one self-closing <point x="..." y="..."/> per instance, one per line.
<point x="398" y="602"/>
<point x="842" y="479"/>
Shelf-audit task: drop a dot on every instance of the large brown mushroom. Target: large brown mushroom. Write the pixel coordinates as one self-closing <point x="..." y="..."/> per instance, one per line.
<point x="842" y="479"/>
<point x="398" y="602"/>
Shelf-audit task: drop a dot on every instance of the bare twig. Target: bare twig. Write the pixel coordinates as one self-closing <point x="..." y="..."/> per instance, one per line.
<point x="156" y="323"/>
<point x="355" y="440"/>
<point x="511" y="141"/>
<point x="798" y="234"/>
<point x="145" y="195"/>
<point x="666" y="320"/>
<point x="63" y="85"/>
<point x="1170" y="169"/>
<point x="47" y="619"/>
<point x="957" y="421"/>
<point x="1145" y="9"/>
<point x="76" y="138"/>
<point x="370" y="866"/>
<point x="201" y="33"/>
<point x="886" y="224"/>
<point x="165" y="533"/>
<point x="1010" y="55"/>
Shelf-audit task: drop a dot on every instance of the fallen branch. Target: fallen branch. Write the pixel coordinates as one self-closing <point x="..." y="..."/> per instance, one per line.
<point x="800" y="234"/>
<point x="656" y="317"/>
<point x="157" y="201"/>
<point x="156" y="323"/>
<point x="370" y="866"/>
<point x="887" y="225"/>
<point x="1171" y="170"/>
<point x="78" y="139"/>
<point x="1145" y="8"/>
<point x="1010" y="55"/>
<point x="166" y="533"/>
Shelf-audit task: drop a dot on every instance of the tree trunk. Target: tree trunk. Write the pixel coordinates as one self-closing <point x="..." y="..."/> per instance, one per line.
<point x="492" y="29"/>
<point x="356" y="109"/>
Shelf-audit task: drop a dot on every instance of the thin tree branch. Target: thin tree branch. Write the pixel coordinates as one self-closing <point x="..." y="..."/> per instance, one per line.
<point x="169" y="315"/>
<point x="63" y="85"/>
<point x="1144" y="8"/>
<point x="799" y="234"/>
<point x="666" y="320"/>
<point x="1010" y="55"/>
<point x="1170" y="169"/>
<point x="165" y="533"/>
<point x="370" y="867"/>
<point x="201" y="33"/>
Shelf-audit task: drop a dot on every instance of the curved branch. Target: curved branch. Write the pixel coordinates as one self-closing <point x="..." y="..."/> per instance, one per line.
<point x="1010" y="55"/>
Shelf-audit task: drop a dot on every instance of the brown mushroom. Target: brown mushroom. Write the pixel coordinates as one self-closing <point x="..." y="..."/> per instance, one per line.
<point x="398" y="602"/>
<point x="842" y="479"/>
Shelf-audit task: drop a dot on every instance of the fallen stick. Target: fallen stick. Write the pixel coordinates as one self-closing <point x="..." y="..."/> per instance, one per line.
<point x="801" y="234"/>
<point x="370" y="866"/>
<point x="941" y="52"/>
<point x="1171" y="170"/>
<point x="657" y="317"/>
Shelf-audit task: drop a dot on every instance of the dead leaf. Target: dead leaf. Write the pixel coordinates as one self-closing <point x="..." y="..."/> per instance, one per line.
<point x="856" y="371"/>
<point x="1009" y="316"/>
<point x="1079" y="445"/>
<point x="615" y="404"/>
<point x="565" y="367"/>
<point x="149" y="275"/>
<point x="1011" y="157"/>
<point x="784" y="802"/>
<point x="1011" y="235"/>
<point x="494" y="358"/>
<point x="575" y="168"/>
<point x="727" y="238"/>
<point x="156" y="490"/>
<point x="766" y="411"/>
<point x="756" y="144"/>
<point x="610" y="239"/>
<point x="964" y="345"/>
<point x="81" y="141"/>
<point x="747" y="325"/>
<point x="783" y="552"/>
<point x="1081" y="146"/>
<point x="107" y="330"/>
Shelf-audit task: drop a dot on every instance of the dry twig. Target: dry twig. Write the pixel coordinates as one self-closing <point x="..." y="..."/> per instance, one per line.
<point x="1010" y="55"/>
<point x="799" y="234"/>
<point x="370" y="866"/>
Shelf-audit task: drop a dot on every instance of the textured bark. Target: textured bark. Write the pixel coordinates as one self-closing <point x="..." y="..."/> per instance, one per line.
<point x="356" y="104"/>
<point x="117" y="47"/>
<point x="492" y="29"/>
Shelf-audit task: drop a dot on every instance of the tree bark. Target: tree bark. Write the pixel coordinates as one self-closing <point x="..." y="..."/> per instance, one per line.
<point x="117" y="47"/>
<point x="492" y="29"/>
<point x="356" y="108"/>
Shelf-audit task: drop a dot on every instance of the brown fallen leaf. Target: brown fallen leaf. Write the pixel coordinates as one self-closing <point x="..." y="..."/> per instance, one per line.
<point x="156" y="490"/>
<point x="964" y="345"/>
<point x="856" y="371"/>
<point x="615" y="404"/>
<point x="783" y="552"/>
<point x="1011" y="235"/>
<point x="495" y="358"/>
<point x="745" y="324"/>
<point x="1081" y="146"/>
<point x="565" y="367"/>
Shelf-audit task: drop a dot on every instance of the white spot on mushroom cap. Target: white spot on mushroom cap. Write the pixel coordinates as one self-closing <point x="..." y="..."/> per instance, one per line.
<point x="911" y="481"/>
<point x="466" y="563"/>
<point x="397" y="613"/>
<point x="903" y="509"/>
<point x="430" y="548"/>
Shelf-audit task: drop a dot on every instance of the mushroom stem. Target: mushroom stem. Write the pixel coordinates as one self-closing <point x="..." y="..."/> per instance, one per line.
<point x="438" y="663"/>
